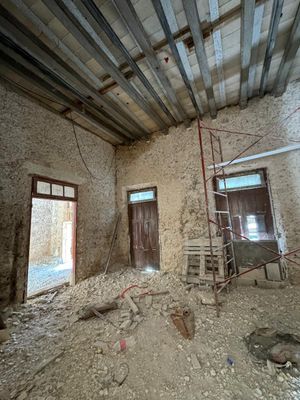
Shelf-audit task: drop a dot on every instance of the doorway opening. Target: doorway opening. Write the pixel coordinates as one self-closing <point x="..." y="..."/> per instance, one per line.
<point x="143" y="229"/>
<point x="52" y="235"/>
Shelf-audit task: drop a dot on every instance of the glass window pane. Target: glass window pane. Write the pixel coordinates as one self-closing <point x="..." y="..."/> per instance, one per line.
<point x="243" y="181"/>
<point x="69" y="191"/>
<point x="57" y="190"/>
<point x="43" y="187"/>
<point x="142" y="196"/>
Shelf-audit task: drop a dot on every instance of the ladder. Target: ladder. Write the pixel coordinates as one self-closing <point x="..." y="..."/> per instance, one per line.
<point x="223" y="218"/>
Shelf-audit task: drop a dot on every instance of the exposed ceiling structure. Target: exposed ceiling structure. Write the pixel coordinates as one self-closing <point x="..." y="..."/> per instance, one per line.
<point x="125" y="68"/>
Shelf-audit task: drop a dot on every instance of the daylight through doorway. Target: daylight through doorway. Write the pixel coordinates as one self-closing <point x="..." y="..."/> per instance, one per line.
<point x="51" y="252"/>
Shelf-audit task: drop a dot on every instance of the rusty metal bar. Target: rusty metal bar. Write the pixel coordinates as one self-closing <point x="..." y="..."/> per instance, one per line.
<point x="208" y="219"/>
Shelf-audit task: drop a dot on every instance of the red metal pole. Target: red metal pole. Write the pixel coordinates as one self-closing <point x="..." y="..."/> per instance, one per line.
<point x="208" y="219"/>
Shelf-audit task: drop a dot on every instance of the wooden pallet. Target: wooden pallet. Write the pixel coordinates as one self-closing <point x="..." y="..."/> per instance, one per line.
<point x="197" y="265"/>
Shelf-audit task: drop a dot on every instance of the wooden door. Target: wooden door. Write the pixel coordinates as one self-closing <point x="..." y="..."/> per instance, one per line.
<point x="143" y="228"/>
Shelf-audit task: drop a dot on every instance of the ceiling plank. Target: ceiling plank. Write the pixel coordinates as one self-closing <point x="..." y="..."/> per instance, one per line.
<point x="34" y="97"/>
<point x="26" y="39"/>
<point x="182" y="34"/>
<point x="176" y="50"/>
<point x="217" y="39"/>
<point x="135" y="27"/>
<point x="288" y="57"/>
<point x="55" y="94"/>
<point x="247" y="19"/>
<point x="76" y="29"/>
<point x="272" y="35"/>
<point x="113" y="37"/>
<point x="32" y="65"/>
<point x="258" y="19"/>
<point x="192" y="15"/>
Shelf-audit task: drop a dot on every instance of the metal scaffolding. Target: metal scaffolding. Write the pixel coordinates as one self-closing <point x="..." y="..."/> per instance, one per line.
<point x="226" y="231"/>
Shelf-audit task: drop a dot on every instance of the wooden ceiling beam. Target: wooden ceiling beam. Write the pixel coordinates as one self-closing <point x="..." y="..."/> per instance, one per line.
<point x="288" y="57"/>
<point x="27" y="61"/>
<point x="91" y="8"/>
<point x="272" y="35"/>
<point x="133" y="24"/>
<point x="58" y="96"/>
<point x="217" y="39"/>
<point x="105" y="103"/>
<point x="192" y="15"/>
<point x="258" y="19"/>
<point x="181" y="35"/>
<point x="247" y="22"/>
<point x="66" y="17"/>
<point x="174" y="48"/>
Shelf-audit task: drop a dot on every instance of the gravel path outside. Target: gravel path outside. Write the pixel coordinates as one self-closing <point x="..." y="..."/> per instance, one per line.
<point x="47" y="275"/>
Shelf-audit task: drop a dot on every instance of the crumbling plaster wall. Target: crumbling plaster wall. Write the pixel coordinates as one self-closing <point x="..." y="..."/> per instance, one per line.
<point x="172" y="163"/>
<point x="35" y="141"/>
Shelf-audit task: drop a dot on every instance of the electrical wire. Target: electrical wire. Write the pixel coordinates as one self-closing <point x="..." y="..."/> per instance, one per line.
<point x="24" y="88"/>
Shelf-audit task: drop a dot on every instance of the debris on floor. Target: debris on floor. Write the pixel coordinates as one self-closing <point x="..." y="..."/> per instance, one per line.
<point x="183" y="319"/>
<point x="278" y="347"/>
<point x="53" y="355"/>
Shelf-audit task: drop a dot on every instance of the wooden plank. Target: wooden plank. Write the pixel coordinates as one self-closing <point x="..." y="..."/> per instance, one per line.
<point x="168" y="33"/>
<point x="214" y="16"/>
<point x="103" y="24"/>
<point x="191" y="12"/>
<point x="288" y="57"/>
<point x="23" y="38"/>
<point x="56" y="94"/>
<point x="258" y="18"/>
<point x="134" y="25"/>
<point x="272" y="35"/>
<point x="247" y="19"/>
<point x="68" y="19"/>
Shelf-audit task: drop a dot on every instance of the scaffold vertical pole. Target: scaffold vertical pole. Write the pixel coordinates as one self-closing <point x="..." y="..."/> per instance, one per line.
<point x="208" y="219"/>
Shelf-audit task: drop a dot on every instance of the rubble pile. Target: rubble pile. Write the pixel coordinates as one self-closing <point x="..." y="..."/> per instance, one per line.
<point x="113" y="337"/>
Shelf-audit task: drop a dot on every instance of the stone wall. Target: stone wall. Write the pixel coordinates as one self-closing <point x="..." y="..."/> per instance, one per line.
<point x="35" y="141"/>
<point x="172" y="163"/>
<point x="46" y="235"/>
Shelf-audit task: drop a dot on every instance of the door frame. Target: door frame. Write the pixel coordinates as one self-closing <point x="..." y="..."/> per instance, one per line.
<point x="138" y="190"/>
<point x="74" y="200"/>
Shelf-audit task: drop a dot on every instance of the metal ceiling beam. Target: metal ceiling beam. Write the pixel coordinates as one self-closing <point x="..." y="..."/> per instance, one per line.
<point x="175" y="51"/>
<point x="35" y="67"/>
<point x="20" y="35"/>
<point x="61" y="12"/>
<point x="258" y="18"/>
<point x="104" y="103"/>
<point x="191" y="12"/>
<point x="247" y="19"/>
<point x="58" y="96"/>
<point x="217" y="39"/>
<point x="135" y="27"/>
<point x="34" y="97"/>
<point x="272" y="35"/>
<point x="288" y="57"/>
<point x="103" y="24"/>
<point x="183" y="34"/>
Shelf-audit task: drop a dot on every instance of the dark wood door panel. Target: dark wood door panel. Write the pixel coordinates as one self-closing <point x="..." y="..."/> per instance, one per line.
<point x="143" y="228"/>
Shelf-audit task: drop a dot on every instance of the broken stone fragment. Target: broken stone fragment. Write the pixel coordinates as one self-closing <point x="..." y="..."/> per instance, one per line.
<point x="4" y="394"/>
<point x="126" y="324"/>
<point x="195" y="362"/>
<point x="134" y="308"/>
<point x="4" y="335"/>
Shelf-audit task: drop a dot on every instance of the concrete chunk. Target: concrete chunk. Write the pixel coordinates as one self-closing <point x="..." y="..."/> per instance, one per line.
<point x="131" y="304"/>
<point x="195" y="361"/>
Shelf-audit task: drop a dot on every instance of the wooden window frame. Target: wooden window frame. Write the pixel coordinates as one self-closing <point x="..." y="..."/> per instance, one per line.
<point x="260" y="171"/>
<point x="154" y="189"/>
<point x="36" y="179"/>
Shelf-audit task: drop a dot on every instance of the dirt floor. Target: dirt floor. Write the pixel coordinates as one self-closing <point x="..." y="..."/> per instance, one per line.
<point x="51" y="355"/>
